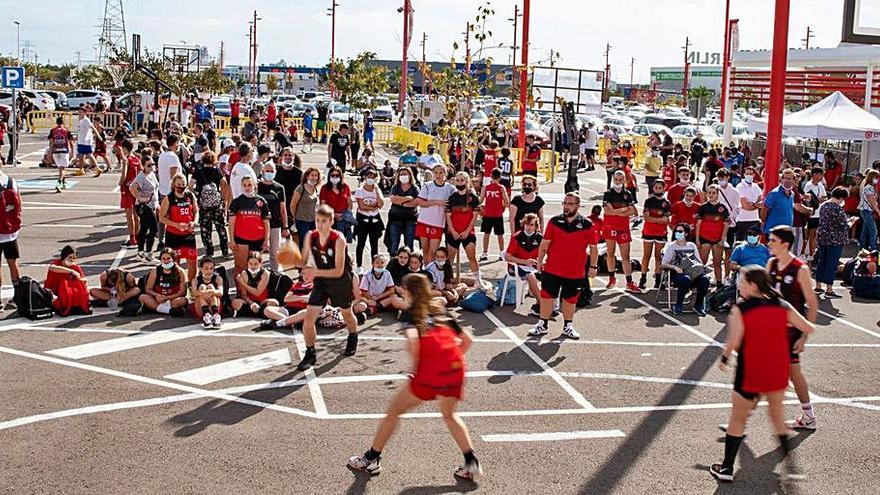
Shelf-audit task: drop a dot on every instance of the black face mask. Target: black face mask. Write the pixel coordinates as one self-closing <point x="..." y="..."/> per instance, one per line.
<point x="461" y="187"/>
<point x="527" y="190"/>
<point x="659" y="195"/>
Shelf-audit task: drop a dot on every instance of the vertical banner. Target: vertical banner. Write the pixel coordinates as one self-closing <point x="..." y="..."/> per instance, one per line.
<point x="734" y="36"/>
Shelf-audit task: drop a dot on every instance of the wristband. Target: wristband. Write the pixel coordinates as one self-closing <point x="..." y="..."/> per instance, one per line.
<point x="724" y="359"/>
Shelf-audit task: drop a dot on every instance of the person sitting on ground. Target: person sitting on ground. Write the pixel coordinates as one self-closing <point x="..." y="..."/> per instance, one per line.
<point x="207" y="292"/>
<point x="679" y="256"/>
<point x="116" y="283"/>
<point x="68" y="284"/>
<point x="165" y="289"/>
<point x="442" y="278"/>
<point x="377" y="288"/>
<point x="253" y="291"/>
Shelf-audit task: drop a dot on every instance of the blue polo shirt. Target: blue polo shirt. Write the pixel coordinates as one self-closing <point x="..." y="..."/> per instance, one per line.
<point x="748" y="254"/>
<point x="780" y="208"/>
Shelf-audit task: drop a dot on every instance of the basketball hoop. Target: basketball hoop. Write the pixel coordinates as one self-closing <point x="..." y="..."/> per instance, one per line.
<point x="117" y="72"/>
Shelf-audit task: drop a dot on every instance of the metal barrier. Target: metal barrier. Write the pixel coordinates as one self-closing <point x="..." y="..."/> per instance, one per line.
<point x="44" y="120"/>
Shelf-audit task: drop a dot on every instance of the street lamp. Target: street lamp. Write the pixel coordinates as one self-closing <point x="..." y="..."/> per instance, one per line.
<point x="17" y="41"/>
<point x="332" y="13"/>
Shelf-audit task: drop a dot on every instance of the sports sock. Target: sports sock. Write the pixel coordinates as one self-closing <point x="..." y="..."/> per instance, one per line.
<point x="470" y="458"/>
<point x="807" y="407"/>
<point x="373" y="454"/>
<point x="206" y="310"/>
<point x="731" y="447"/>
<point x="545" y="322"/>
<point x="629" y="279"/>
<point x="215" y="309"/>
<point x="566" y="323"/>
<point x="280" y="323"/>
<point x="783" y="441"/>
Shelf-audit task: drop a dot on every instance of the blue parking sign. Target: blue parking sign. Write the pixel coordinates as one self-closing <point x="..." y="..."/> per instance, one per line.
<point x="12" y="77"/>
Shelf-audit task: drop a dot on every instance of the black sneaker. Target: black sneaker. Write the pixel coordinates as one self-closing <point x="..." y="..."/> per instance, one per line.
<point x="267" y="324"/>
<point x="361" y="318"/>
<point x="721" y="473"/>
<point x="656" y="282"/>
<point x="351" y="344"/>
<point x="308" y="360"/>
<point x="535" y="310"/>
<point x="643" y="282"/>
<point x="177" y="312"/>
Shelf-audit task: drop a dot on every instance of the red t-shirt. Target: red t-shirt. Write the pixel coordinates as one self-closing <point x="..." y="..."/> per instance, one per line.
<point x="682" y="213"/>
<point x="336" y="200"/>
<point x="490" y="161"/>
<point x="462" y="208"/>
<point x="596" y="230"/>
<point x="53" y="280"/>
<point x="271" y="113"/>
<point x="134" y="168"/>
<point x="764" y="353"/>
<point x="675" y="193"/>
<point x="656" y="208"/>
<point x="533" y="154"/>
<point x="494" y="206"/>
<point x="523" y="246"/>
<point x="249" y="213"/>
<point x="235" y="109"/>
<point x="713" y="219"/>
<point x="567" y="254"/>
<point x="832" y="172"/>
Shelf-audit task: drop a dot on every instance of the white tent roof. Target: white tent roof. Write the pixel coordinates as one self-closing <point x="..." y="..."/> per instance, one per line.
<point x="835" y="117"/>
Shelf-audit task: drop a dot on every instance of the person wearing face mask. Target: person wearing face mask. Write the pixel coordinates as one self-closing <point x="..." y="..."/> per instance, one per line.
<point x="751" y="200"/>
<point x="619" y="205"/>
<point x="673" y="257"/>
<point x="685" y="211"/>
<point x="248" y="224"/>
<point x="68" y="283"/>
<point x="279" y="227"/>
<point x="404" y="210"/>
<point x="462" y="212"/>
<point x="527" y="202"/>
<point x="780" y="202"/>
<point x="165" y="288"/>
<point x="131" y="166"/>
<point x="210" y="187"/>
<point x="443" y="278"/>
<point x="369" y="223"/>
<point x="304" y="203"/>
<point x="657" y="212"/>
<point x="522" y="256"/>
<point x="675" y="190"/>
<point x="432" y="212"/>
<point x="377" y="289"/>
<point x="750" y="252"/>
<point x="241" y="170"/>
<point x="178" y="212"/>
<point x="868" y="208"/>
<point x="289" y="172"/>
<point x="729" y="197"/>
<point x="337" y="195"/>
<point x="562" y="262"/>
<point x="831" y="235"/>
<point x="253" y="291"/>
<point x="712" y="226"/>
<point x="145" y="189"/>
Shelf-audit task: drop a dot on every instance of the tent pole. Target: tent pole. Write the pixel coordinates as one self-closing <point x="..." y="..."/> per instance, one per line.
<point x="846" y="169"/>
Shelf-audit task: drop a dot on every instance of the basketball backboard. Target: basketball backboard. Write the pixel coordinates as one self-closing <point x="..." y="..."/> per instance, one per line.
<point x="861" y="22"/>
<point x="182" y="59"/>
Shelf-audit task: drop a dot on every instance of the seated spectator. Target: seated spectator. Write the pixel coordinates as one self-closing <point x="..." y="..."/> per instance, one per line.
<point x="165" y="288"/>
<point x="377" y="289"/>
<point x="207" y="292"/>
<point x="253" y="291"/>
<point x="683" y="259"/>
<point x="522" y="254"/>
<point x="751" y="252"/>
<point x="67" y="282"/>
<point x="117" y="284"/>
<point x="442" y="278"/>
<point x="399" y="266"/>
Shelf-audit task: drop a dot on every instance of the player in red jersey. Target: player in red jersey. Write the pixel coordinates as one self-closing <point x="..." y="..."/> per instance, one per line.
<point x="657" y="212"/>
<point x="178" y="212"/>
<point x="712" y="224"/>
<point x="619" y="205"/>
<point x="490" y="162"/>
<point x="531" y="158"/>
<point x="757" y="329"/>
<point x="437" y="345"/>
<point x="495" y="200"/>
<point x="462" y="212"/>
<point x="685" y="211"/>
<point x="248" y="224"/>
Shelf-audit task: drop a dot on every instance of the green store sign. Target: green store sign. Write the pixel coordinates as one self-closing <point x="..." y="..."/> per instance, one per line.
<point x="679" y="75"/>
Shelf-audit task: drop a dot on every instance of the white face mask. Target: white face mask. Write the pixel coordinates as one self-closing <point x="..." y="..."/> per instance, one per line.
<point x="313" y="182"/>
<point x="404" y="179"/>
<point x="253" y="271"/>
<point x="334" y="180"/>
<point x="440" y="263"/>
<point x="749" y="179"/>
<point x="617" y="187"/>
<point x="370" y="182"/>
<point x="249" y="194"/>
<point x="722" y="182"/>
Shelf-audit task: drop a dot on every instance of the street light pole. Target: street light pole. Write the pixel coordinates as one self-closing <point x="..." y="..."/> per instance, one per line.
<point x="778" y="72"/>
<point x="333" y="49"/>
<point x="687" y="66"/>
<point x="515" y="20"/>
<point x="607" y="83"/>
<point x="401" y="102"/>
<point x="523" y="76"/>
<point x="632" y="69"/>
<point x="17" y="41"/>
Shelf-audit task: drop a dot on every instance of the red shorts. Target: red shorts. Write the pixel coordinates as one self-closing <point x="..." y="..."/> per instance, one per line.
<point x="431" y="392"/>
<point x="126" y="200"/>
<point x="191" y="254"/>
<point x="617" y="231"/>
<point x="424" y="230"/>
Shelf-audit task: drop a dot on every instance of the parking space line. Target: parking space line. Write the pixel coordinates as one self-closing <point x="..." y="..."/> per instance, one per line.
<point x="120" y="344"/>
<point x="314" y="388"/>
<point x="230" y="369"/>
<point x="552" y="436"/>
<point x="850" y="324"/>
<point x="577" y="396"/>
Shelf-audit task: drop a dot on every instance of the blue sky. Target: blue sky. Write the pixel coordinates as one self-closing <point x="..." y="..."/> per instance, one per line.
<point x="298" y="31"/>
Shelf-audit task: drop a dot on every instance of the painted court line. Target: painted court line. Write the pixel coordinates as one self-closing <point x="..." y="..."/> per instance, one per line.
<point x="110" y="346"/>
<point x="577" y="396"/>
<point x="314" y="388"/>
<point x="233" y="368"/>
<point x="553" y="437"/>
<point x="850" y="324"/>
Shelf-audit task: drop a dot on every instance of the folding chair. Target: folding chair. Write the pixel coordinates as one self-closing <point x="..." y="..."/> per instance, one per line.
<point x="521" y="287"/>
<point x="670" y="291"/>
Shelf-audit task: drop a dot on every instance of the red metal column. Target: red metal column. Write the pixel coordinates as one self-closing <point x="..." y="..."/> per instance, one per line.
<point x="523" y="75"/>
<point x="726" y="63"/>
<point x="778" y="69"/>
<point x="333" y="51"/>
<point x="403" y="66"/>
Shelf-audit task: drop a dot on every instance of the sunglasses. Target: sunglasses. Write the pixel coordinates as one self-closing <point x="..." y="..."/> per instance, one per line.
<point x="335" y="176"/>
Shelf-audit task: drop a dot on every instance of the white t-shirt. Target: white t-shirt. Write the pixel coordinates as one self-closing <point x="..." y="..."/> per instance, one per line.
<point x="751" y="193"/>
<point x="434" y="216"/>
<point x="818" y="190"/>
<point x="370" y="198"/>
<point x="592" y="139"/>
<point x="240" y="171"/>
<point x="729" y="197"/>
<point x="375" y="286"/>
<point x="84" y="131"/>
<point x="167" y="161"/>
<point x="428" y="161"/>
<point x="436" y="275"/>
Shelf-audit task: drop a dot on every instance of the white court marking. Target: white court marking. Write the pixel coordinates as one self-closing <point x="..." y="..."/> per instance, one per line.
<point x="233" y="368"/>
<point x="311" y="379"/>
<point x="850" y="324"/>
<point x="553" y="436"/>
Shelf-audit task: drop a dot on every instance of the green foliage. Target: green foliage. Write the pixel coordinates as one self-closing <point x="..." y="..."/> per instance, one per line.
<point x="356" y="80"/>
<point x="271" y="83"/>
<point x="702" y="94"/>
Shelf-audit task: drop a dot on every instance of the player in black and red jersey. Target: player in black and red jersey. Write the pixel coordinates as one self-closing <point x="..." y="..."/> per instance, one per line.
<point x="657" y="212"/>
<point x="462" y="211"/>
<point x="619" y="205"/>
<point x="712" y="225"/>
<point x="332" y="279"/>
<point x="178" y="213"/>
<point x="791" y="277"/>
<point x="522" y="256"/>
<point x="165" y="288"/>
<point x="248" y="224"/>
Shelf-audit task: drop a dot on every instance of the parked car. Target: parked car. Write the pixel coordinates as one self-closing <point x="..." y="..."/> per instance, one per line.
<point x="79" y="97"/>
<point x="340" y="112"/>
<point x="741" y="131"/>
<point x="620" y="120"/>
<point x="647" y="129"/>
<point x="381" y="109"/>
<point x="221" y="107"/>
<point x="533" y="129"/>
<point x="59" y="97"/>
<point x="690" y="131"/>
<point x="479" y="118"/>
<point x="298" y="109"/>
<point x="41" y="100"/>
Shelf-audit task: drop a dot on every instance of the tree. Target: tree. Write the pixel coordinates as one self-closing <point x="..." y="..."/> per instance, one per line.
<point x="271" y="83"/>
<point x="94" y="77"/>
<point x="357" y="79"/>
<point x="703" y="95"/>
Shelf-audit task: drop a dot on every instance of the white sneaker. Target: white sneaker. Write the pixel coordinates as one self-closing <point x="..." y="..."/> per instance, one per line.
<point x="803" y="422"/>
<point x="570" y="332"/>
<point x="539" y="330"/>
<point x="207" y="321"/>
<point x="140" y="256"/>
<point x="218" y="322"/>
<point x="470" y="471"/>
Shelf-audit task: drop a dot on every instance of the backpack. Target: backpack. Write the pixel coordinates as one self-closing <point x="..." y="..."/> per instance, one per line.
<point x="476" y="302"/>
<point x="10" y="209"/>
<point x="33" y="300"/>
<point x="722" y="299"/>
<point x="209" y="197"/>
<point x="866" y="287"/>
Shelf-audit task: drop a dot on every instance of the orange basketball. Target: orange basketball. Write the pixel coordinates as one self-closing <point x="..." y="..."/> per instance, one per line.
<point x="289" y="255"/>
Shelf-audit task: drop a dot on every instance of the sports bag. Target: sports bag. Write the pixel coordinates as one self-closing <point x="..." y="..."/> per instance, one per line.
<point x="33" y="300"/>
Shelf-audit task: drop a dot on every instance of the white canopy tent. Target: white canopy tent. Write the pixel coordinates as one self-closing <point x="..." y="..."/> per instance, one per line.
<point x="835" y="117"/>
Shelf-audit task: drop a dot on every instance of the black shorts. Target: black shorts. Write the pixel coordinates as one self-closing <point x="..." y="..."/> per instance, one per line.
<point x="531" y="173"/>
<point x="743" y="228"/>
<point x="252" y="245"/>
<point x="731" y="237"/>
<point x="589" y="153"/>
<point x="271" y="125"/>
<point x="554" y="286"/>
<point x="812" y="223"/>
<point x="458" y="243"/>
<point x="492" y="225"/>
<point x="233" y="121"/>
<point x="10" y="249"/>
<point x="655" y="238"/>
<point x="337" y="291"/>
<point x="177" y="241"/>
<point x="793" y="336"/>
<point x="738" y="379"/>
<point x="247" y="312"/>
<point x="307" y="133"/>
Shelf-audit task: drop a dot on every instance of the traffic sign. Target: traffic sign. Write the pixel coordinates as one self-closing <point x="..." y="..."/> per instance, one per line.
<point x="12" y="77"/>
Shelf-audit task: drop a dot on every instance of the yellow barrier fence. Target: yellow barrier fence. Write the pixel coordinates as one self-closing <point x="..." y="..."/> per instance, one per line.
<point x="44" y="120"/>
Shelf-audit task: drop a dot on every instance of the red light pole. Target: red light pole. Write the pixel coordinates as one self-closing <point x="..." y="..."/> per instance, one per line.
<point x="725" y="66"/>
<point x="778" y="70"/>
<point x="407" y="8"/>
<point x="687" y="71"/>
<point x="523" y="75"/>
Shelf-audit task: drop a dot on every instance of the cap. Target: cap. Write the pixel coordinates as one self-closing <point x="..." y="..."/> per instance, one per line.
<point x="228" y="143"/>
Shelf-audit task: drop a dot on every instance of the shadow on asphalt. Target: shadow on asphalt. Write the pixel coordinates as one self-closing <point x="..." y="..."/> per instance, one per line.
<point x="607" y="477"/>
<point x="516" y="359"/>
<point x="756" y="475"/>
<point x="460" y="486"/>
<point x="219" y="412"/>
